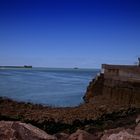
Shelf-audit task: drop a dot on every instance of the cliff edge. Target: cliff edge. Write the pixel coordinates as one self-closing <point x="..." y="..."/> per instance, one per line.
<point x="117" y="84"/>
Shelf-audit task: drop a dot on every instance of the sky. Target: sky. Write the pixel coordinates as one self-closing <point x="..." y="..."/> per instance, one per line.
<point x="69" y="33"/>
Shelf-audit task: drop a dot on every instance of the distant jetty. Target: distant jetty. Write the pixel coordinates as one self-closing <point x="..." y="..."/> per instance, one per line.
<point x="25" y="66"/>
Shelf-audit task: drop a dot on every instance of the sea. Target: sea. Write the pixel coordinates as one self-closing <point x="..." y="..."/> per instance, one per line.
<point x="57" y="87"/>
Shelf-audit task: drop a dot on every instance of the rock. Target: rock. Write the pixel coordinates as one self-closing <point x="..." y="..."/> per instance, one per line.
<point x="110" y="131"/>
<point x="6" y="131"/>
<point x="107" y="133"/>
<point x="137" y="130"/>
<point x="138" y="119"/>
<point x="130" y="131"/>
<point x="82" y="135"/>
<point x="61" y="136"/>
<point x="94" y="89"/>
<point x="17" y="130"/>
<point x="122" y="135"/>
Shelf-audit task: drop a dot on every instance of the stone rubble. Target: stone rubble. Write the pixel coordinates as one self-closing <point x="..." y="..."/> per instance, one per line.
<point x="15" y="130"/>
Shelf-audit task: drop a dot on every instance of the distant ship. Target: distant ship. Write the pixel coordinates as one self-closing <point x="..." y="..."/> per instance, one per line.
<point x="76" y="68"/>
<point x="26" y="66"/>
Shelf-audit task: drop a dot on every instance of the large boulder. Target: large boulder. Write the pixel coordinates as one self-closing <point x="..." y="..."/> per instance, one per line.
<point x="20" y="131"/>
<point x="137" y="130"/>
<point x="138" y="119"/>
<point x="123" y="133"/>
<point x="81" y="135"/>
<point x="62" y="136"/>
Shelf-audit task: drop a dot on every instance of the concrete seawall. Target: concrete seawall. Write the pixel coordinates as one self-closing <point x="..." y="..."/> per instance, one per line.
<point x="118" y="90"/>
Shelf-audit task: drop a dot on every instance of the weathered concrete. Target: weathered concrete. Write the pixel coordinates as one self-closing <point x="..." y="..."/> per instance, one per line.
<point x="114" y="89"/>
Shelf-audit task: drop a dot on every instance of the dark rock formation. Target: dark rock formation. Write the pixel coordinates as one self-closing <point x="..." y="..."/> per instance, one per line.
<point x="95" y="88"/>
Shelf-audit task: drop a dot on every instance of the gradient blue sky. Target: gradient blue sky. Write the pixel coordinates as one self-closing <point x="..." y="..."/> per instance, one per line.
<point x="69" y="33"/>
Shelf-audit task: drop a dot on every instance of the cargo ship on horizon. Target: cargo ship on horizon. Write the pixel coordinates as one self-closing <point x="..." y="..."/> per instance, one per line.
<point x="25" y="66"/>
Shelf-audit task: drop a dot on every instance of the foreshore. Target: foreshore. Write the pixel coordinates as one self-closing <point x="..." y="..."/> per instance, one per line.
<point x="89" y="117"/>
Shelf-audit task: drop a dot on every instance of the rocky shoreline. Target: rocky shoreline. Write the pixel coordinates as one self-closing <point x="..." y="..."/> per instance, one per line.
<point x="16" y="130"/>
<point x="111" y="112"/>
<point x="90" y="118"/>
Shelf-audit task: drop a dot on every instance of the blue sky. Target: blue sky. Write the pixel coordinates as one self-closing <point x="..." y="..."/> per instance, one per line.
<point x="69" y="33"/>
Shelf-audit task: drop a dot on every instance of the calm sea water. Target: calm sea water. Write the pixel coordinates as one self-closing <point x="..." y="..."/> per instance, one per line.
<point x="56" y="87"/>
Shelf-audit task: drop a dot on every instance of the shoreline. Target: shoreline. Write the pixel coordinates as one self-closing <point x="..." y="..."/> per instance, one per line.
<point x="89" y="117"/>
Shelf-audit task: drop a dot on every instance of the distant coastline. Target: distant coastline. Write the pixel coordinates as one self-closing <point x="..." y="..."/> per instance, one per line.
<point x="25" y="66"/>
